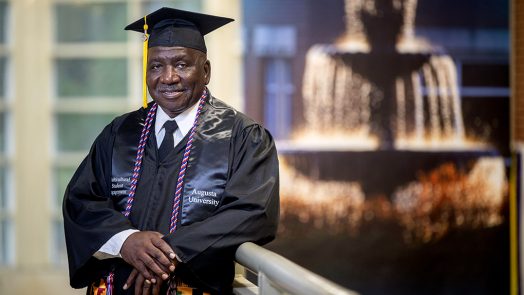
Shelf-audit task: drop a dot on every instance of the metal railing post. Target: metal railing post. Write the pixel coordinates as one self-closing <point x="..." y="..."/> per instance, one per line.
<point x="277" y="275"/>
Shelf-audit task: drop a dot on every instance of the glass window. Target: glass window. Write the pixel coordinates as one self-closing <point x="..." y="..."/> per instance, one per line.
<point x="3" y="64"/>
<point x="84" y="76"/>
<point x="5" y="228"/>
<point x="278" y="94"/>
<point x="6" y="238"/>
<point x="2" y="132"/>
<point x="76" y="132"/>
<point x="191" y="5"/>
<point x="6" y="234"/>
<point x="92" y="77"/>
<point x="62" y="177"/>
<point x="59" y="253"/>
<point x="3" y="192"/>
<point x="5" y="223"/>
<point x="90" y="22"/>
<point x="3" y="23"/>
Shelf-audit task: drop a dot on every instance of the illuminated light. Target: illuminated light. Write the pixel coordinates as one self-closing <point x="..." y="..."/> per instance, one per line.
<point x="446" y="198"/>
<point x="415" y="143"/>
<point x="334" y="205"/>
<point x="401" y="107"/>
<point x="354" y="27"/>
<point x="355" y="39"/>
<point x="409" y="13"/>
<point x="451" y="75"/>
<point x="419" y="106"/>
<point x="433" y="103"/>
<point x="443" y="91"/>
<point x="353" y="45"/>
<point x="426" y="208"/>
<point x="331" y="140"/>
<point x="334" y="95"/>
<point x="415" y="45"/>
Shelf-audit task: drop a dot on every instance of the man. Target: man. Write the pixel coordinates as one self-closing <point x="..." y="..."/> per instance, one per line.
<point x="168" y="192"/>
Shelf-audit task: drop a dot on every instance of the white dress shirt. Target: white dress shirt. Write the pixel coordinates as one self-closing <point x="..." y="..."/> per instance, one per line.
<point x="185" y="120"/>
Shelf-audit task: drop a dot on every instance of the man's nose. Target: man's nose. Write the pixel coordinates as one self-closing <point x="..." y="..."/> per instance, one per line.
<point x="169" y="76"/>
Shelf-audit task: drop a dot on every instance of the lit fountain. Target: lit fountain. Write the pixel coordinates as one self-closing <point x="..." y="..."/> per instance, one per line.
<point x="381" y="183"/>
<point x="381" y="89"/>
<point x="383" y="134"/>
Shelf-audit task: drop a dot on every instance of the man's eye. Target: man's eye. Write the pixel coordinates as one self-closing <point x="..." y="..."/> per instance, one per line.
<point x="181" y="65"/>
<point x="155" y="66"/>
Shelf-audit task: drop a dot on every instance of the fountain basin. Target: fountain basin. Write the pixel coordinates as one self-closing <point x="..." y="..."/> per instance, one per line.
<point x="379" y="172"/>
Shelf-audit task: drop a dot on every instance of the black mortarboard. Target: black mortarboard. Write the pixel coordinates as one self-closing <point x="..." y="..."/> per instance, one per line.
<point x="174" y="27"/>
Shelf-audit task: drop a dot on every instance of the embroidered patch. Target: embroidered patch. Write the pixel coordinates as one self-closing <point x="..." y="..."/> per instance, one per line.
<point x="203" y="197"/>
<point x="119" y="185"/>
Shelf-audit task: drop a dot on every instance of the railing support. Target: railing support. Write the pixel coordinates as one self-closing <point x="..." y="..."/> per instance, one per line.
<point x="277" y="275"/>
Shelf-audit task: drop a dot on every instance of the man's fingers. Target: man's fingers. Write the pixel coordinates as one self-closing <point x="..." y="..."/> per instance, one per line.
<point x="164" y="247"/>
<point x="144" y="271"/>
<point x="146" y="289"/>
<point x="156" y="289"/>
<point x="139" y="284"/>
<point x="162" y="259"/>
<point x="131" y="279"/>
<point x="153" y="266"/>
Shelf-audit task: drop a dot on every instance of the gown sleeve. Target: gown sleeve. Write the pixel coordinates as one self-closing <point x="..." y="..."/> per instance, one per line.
<point x="90" y="218"/>
<point x="249" y="212"/>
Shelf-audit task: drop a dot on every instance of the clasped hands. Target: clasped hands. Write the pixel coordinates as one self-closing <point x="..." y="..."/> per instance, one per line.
<point x="152" y="259"/>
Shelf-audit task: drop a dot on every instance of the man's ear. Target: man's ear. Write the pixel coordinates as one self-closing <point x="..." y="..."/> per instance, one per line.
<point x="207" y="72"/>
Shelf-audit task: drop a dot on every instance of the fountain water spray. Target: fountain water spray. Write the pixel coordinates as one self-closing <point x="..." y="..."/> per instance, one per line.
<point x="395" y="90"/>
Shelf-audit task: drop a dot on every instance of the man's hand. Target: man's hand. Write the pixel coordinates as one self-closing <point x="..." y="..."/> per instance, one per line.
<point x="149" y="255"/>
<point x="142" y="286"/>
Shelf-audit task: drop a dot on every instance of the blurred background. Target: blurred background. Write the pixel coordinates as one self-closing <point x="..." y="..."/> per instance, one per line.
<point x="67" y="68"/>
<point x="392" y="120"/>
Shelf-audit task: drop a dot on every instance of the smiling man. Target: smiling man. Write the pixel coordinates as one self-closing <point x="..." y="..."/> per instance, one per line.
<point x="168" y="192"/>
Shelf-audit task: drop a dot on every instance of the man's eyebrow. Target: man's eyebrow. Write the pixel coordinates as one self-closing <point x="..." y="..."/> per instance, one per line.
<point x="174" y="57"/>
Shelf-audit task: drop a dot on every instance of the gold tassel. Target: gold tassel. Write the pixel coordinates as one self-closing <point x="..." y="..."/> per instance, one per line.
<point x="144" y="64"/>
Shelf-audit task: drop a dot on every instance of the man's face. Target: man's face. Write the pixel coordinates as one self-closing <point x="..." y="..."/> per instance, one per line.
<point x="176" y="77"/>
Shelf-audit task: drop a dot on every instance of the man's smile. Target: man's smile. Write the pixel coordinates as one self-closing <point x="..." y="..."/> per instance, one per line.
<point x="170" y="92"/>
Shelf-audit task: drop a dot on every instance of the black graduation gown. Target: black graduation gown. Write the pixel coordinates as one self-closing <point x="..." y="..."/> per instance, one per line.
<point x="205" y="242"/>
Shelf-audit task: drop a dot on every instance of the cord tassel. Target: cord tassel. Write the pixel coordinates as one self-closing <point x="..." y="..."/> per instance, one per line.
<point x="144" y="64"/>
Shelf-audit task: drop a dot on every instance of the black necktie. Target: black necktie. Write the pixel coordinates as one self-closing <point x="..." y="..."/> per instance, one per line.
<point x="168" y="143"/>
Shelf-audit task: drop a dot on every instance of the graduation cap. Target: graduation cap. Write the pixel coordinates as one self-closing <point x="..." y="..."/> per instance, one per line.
<point x="174" y="27"/>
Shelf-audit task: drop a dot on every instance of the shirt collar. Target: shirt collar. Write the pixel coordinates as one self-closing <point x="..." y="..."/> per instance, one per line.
<point x="184" y="120"/>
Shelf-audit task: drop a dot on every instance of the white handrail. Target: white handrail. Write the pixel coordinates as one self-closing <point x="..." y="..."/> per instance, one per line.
<point x="278" y="275"/>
